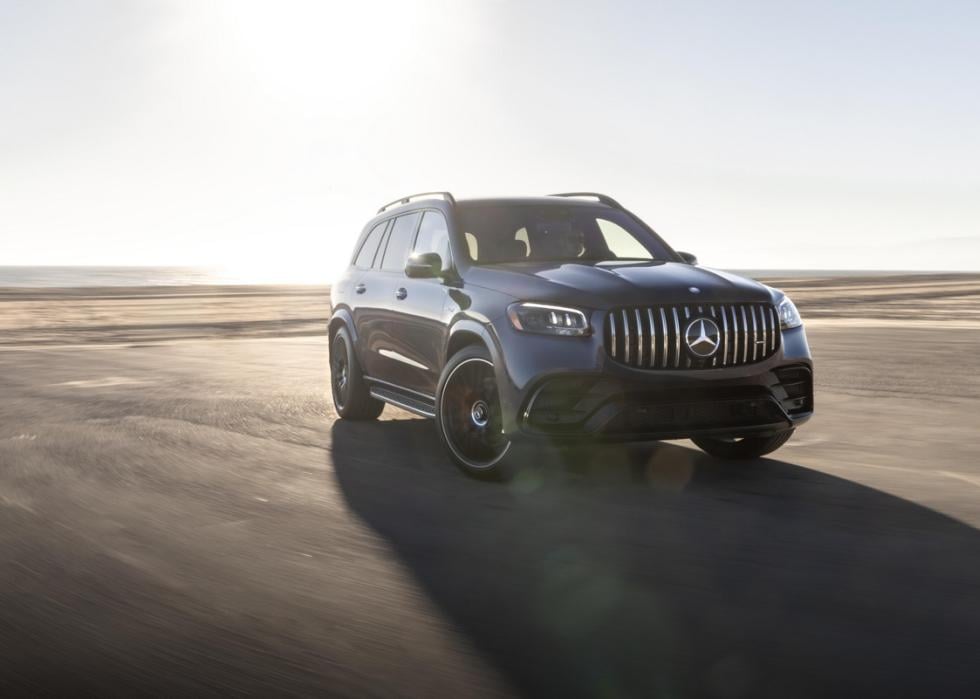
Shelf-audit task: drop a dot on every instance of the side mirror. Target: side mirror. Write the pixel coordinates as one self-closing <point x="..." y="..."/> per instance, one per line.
<point x="424" y="265"/>
<point x="688" y="257"/>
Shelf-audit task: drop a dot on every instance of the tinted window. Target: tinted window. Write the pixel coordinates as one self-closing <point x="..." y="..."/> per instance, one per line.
<point x="396" y="254"/>
<point x="434" y="236"/>
<point x="555" y="233"/>
<point x="366" y="255"/>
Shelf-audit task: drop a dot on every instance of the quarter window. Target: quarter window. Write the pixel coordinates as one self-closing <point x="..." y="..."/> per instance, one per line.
<point x="365" y="257"/>
<point x="400" y="238"/>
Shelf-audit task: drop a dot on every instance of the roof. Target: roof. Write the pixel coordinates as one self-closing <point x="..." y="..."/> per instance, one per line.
<point x="445" y="200"/>
<point x="529" y="201"/>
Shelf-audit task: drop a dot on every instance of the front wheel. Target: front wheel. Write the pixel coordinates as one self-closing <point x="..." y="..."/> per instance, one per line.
<point x="468" y="415"/>
<point x="742" y="447"/>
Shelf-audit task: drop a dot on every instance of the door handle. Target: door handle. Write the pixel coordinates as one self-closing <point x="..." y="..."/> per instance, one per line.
<point x="360" y="289"/>
<point x="401" y="293"/>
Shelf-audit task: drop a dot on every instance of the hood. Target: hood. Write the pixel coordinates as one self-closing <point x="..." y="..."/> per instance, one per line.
<point x="607" y="285"/>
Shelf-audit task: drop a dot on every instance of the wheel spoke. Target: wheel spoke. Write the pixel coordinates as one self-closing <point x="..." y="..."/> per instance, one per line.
<point x="471" y="413"/>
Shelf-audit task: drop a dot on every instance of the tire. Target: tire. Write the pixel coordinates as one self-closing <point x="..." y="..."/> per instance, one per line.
<point x="347" y="385"/>
<point x="469" y="418"/>
<point x="742" y="447"/>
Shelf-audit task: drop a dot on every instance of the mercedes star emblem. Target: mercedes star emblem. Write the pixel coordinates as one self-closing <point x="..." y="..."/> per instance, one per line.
<point x="702" y="337"/>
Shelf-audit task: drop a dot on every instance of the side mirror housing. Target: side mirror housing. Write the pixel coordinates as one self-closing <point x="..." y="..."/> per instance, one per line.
<point x="424" y="265"/>
<point x="688" y="257"/>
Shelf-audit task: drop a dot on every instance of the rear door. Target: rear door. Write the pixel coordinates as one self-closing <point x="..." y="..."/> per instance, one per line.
<point x="378" y="322"/>
<point x="359" y="278"/>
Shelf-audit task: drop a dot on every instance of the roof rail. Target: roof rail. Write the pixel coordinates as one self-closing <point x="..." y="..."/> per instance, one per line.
<point x="404" y="200"/>
<point x="608" y="201"/>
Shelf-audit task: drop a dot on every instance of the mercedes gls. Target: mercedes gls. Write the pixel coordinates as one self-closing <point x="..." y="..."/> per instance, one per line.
<point x="563" y="317"/>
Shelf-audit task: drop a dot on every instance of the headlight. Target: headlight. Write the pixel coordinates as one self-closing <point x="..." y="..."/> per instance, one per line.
<point x="789" y="317"/>
<point x="548" y="320"/>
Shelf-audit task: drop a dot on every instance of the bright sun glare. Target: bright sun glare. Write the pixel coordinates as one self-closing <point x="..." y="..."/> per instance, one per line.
<point x="331" y="61"/>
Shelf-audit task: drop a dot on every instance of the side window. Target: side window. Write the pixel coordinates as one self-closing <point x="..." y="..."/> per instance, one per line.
<point x="396" y="254"/>
<point x="521" y="235"/>
<point x="473" y="246"/>
<point x="621" y="242"/>
<point x="365" y="257"/>
<point x="434" y="236"/>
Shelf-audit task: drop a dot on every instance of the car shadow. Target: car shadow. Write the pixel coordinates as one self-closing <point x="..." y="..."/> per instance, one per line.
<point x="611" y="571"/>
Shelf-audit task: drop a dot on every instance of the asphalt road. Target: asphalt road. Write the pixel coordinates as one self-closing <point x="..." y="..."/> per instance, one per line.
<point x="189" y="517"/>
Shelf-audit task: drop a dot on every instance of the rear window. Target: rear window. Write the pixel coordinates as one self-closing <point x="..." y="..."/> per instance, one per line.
<point x="396" y="253"/>
<point x="365" y="257"/>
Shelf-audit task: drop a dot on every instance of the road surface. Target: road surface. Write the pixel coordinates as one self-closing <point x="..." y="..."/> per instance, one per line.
<point x="189" y="517"/>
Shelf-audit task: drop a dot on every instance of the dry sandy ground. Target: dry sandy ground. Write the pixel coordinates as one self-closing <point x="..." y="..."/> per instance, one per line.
<point x="188" y="517"/>
<point x="114" y="314"/>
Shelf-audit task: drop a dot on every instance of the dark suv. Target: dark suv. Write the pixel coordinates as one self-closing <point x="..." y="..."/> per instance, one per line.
<point x="564" y="317"/>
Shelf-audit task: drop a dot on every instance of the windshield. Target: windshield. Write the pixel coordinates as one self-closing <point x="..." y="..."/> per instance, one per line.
<point x="501" y="234"/>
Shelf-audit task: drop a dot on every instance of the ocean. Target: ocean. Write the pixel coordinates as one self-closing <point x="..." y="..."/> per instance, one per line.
<point x="67" y="277"/>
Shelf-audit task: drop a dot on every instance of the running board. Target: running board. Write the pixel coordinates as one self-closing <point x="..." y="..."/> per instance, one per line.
<point x="411" y="403"/>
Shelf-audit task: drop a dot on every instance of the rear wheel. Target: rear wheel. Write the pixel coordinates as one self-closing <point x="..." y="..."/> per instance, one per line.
<point x="742" y="447"/>
<point x="468" y="415"/>
<point x="350" y="392"/>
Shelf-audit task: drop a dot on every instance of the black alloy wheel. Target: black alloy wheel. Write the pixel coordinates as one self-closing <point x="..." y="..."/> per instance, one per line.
<point x="469" y="416"/>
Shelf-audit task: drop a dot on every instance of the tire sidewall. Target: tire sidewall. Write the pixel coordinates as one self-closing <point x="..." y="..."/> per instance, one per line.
<point x="341" y="335"/>
<point x="501" y="467"/>
<point x="359" y="405"/>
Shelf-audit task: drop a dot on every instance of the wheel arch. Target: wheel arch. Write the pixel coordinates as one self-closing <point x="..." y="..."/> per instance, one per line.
<point x="467" y="332"/>
<point x="341" y="318"/>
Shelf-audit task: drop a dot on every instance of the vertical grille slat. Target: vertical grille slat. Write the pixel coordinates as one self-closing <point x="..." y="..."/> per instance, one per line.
<point x="714" y="360"/>
<point x="765" y="329"/>
<point x="724" y="336"/>
<point x="652" y="337"/>
<point x="745" y="337"/>
<point x="775" y="328"/>
<point x="626" y="338"/>
<point x="652" y="358"/>
<point x="612" y="333"/>
<point x="734" y="335"/>
<point x="677" y="337"/>
<point x="640" y="335"/>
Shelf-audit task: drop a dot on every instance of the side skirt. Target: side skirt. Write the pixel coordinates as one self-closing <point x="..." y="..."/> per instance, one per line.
<point x="405" y="398"/>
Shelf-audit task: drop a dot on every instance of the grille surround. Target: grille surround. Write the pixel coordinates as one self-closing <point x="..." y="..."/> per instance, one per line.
<point x="652" y="337"/>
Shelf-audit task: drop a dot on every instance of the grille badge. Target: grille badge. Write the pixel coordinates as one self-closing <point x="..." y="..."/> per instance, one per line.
<point x="702" y="337"/>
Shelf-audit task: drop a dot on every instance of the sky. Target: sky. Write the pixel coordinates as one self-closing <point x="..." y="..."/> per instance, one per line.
<point x="261" y="136"/>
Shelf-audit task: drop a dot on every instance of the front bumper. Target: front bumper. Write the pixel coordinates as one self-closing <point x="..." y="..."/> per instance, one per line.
<point x="584" y="406"/>
<point x="568" y="388"/>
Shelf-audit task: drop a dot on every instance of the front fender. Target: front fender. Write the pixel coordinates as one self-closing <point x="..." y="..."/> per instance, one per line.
<point x="480" y="330"/>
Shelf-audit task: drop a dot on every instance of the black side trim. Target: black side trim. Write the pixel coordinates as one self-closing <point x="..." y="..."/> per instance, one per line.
<point x="413" y="401"/>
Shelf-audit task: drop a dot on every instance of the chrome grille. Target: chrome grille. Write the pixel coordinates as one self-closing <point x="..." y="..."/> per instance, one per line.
<point x="652" y="337"/>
